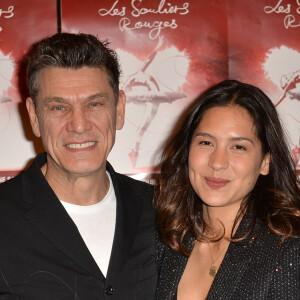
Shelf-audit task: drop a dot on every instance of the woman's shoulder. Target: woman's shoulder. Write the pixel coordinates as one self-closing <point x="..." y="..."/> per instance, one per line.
<point x="272" y="238"/>
<point x="285" y="279"/>
<point x="290" y="248"/>
<point x="291" y="242"/>
<point x="267" y="238"/>
<point x="270" y="246"/>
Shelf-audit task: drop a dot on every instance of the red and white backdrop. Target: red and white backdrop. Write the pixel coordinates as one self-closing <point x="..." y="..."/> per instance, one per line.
<point x="170" y="51"/>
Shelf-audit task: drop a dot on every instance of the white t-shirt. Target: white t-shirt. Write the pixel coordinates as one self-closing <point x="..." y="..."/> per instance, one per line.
<point x="96" y="224"/>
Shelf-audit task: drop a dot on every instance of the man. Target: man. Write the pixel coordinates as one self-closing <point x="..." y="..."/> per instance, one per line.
<point x="70" y="226"/>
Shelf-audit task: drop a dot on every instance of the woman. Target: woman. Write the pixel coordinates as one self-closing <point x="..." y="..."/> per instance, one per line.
<point x="228" y="202"/>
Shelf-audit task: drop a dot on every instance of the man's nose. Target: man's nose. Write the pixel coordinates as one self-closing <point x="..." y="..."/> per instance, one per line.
<point x="218" y="159"/>
<point x="79" y="121"/>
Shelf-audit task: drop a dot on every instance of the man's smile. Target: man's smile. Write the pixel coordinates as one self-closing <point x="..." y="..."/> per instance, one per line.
<point x="80" y="145"/>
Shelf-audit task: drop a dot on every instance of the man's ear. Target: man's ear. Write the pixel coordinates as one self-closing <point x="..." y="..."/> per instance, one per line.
<point x="265" y="165"/>
<point x="31" y="109"/>
<point x="120" y="117"/>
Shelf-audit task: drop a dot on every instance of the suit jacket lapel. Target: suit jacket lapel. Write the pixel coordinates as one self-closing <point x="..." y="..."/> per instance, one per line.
<point x="127" y="219"/>
<point x="230" y="273"/>
<point x="235" y="263"/>
<point x="48" y="215"/>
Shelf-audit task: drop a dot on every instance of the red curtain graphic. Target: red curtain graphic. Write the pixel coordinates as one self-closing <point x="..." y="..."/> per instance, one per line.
<point x="22" y="23"/>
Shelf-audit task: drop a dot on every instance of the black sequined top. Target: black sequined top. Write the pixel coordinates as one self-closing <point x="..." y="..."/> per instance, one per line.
<point x="260" y="267"/>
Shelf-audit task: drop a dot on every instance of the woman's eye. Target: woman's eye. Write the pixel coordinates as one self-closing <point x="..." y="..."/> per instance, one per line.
<point x="239" y="147"/>
<point x="205" y="143"/>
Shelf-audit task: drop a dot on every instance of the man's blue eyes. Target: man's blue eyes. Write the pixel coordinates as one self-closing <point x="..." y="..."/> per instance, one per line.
<point x="95" y="104"/>
<point x="59" y="108"/>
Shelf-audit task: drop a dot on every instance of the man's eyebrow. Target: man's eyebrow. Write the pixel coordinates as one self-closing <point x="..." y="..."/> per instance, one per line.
<point x="96" y="96"/>
<point x="49" y="100"/>
<point x="234" y="139"/>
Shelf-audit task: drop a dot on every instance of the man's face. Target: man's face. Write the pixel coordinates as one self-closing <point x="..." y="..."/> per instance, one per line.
<point x="76" y="116"/>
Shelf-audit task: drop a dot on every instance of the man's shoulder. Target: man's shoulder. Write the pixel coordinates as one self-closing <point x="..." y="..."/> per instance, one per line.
<point x="12" y="191"/>
<point x="134" y="182"/>
<point x="130" y="185"/>
<point x="131" y="191"/>
<point x="10" y="196"/>
<point x="125" y="181"/>
<point x="10" y="186"/>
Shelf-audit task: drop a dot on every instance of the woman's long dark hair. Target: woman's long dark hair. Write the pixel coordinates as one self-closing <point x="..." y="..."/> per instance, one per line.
<point x="275" y="198"/>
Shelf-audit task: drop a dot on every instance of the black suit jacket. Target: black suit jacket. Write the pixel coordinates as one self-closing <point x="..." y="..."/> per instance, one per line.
<point x="42" y="255"/>
<point x="258" y="268"/>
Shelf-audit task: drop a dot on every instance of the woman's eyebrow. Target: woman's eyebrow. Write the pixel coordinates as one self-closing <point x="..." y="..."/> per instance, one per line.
<point x="241" y="138"/>
<point x="204" y="135"/>
<point x="234" y="139"/>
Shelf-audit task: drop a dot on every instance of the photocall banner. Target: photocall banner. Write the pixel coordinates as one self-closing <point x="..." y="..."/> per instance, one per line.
<point x="170" y="52"/>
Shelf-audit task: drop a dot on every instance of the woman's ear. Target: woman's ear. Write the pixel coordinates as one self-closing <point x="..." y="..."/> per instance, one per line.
<point x="265" y="164"/>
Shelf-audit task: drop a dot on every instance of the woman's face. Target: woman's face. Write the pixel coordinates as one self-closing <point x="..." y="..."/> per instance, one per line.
<point x="225" y="157"/>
